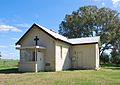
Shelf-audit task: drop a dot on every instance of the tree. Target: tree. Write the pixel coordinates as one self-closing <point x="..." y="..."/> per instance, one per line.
<point x="90" y="21"/>
<point x="104" y="58"/>
<point x="115" y="57"/>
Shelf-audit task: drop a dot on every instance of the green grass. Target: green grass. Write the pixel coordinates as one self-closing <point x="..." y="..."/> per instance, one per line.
<point x="6" y="64"/>
<point x="107" y="75"/>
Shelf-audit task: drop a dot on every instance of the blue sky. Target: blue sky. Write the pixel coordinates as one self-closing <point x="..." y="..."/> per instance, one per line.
<point x="16" y="16"/>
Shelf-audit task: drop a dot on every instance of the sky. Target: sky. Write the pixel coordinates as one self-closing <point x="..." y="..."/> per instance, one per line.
<point x="16" y="17"/>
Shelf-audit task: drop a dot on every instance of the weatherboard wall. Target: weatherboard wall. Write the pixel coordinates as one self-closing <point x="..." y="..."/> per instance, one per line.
<point x="45" y="41"/>
<point x="84" y="56"/>
<point x="97" y="56"/>
<point x="62" y="56"/>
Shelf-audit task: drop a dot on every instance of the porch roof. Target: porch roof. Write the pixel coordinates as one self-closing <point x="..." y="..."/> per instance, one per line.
<point x="31" y="47"/>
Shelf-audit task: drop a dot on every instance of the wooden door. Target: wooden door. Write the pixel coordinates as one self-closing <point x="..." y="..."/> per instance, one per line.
<point x="40" y="61"/>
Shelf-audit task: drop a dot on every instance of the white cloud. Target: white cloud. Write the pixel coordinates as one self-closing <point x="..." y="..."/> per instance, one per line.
<point x="3" y="46"/>
<point x="115" y="1"/>
<point x="7" y="46"/>
<point x="14" y="38"/>
<point x="96" y="0"/>
<point x="9" y="28"/>
<point x="9" y="55"/>
<point x="103" y="3"/>
<point x="12" y="46"/>
<point x="12" y="53"/>
<point x="23" y="25"/>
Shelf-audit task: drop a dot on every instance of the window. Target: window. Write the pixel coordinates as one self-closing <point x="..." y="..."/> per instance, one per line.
<point x="33" y="58"/>
<point x="61" y="52"/>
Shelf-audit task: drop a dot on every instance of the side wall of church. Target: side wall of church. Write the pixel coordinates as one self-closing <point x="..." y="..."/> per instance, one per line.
<point x="85" y="56"/>
<point x="62" y="55"/>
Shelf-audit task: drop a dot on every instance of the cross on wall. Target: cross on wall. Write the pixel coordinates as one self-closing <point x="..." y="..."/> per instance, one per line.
<point x="36" y="40"/>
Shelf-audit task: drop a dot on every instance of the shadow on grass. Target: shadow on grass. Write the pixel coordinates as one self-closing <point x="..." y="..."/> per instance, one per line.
<point x="111" y="66"/>
<point x="9" y="71"/>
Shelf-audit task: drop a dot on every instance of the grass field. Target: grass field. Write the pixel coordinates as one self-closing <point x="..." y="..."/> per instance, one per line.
<point x="8" y="64"/>
<point x="107" y="75"/>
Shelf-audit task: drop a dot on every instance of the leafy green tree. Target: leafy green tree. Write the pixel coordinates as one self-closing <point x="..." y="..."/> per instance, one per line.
<point x="104" y="58"/>
<point x="115" y="57"/>
<point x="90" y="21"/>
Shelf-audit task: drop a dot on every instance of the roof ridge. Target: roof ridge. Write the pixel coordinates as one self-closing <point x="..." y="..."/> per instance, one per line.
<point x="58" y="36"/>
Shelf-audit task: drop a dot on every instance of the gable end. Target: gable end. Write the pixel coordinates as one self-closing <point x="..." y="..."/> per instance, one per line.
<point x="18" y="42"/>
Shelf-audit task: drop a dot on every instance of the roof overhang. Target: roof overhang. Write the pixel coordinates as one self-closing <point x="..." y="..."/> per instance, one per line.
<point x="86" y="40"/>
<point x="85" y="43"/>
<point x="30" y="47"/>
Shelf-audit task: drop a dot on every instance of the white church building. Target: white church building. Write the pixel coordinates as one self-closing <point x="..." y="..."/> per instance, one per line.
<point x="44" y="50"/>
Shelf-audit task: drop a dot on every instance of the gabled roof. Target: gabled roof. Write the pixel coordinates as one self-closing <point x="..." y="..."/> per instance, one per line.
<point x="57" y="36"/>
<point x="54" y="34"/>
<point x="49" y="32"/>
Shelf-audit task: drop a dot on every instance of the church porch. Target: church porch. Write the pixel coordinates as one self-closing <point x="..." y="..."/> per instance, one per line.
<point x="31" y="58"/>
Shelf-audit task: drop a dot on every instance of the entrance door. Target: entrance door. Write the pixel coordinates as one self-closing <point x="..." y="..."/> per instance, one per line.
<point x="79" y="60"/>
<point x="40" y="61"/>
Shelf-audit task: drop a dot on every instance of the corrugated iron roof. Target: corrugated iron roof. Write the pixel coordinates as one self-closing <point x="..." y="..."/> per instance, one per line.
<point x="84" y="40"/>
<point x="73" y="41"/>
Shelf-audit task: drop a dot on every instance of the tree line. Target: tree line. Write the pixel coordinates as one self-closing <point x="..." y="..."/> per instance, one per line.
<point x="90" y="21"/>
